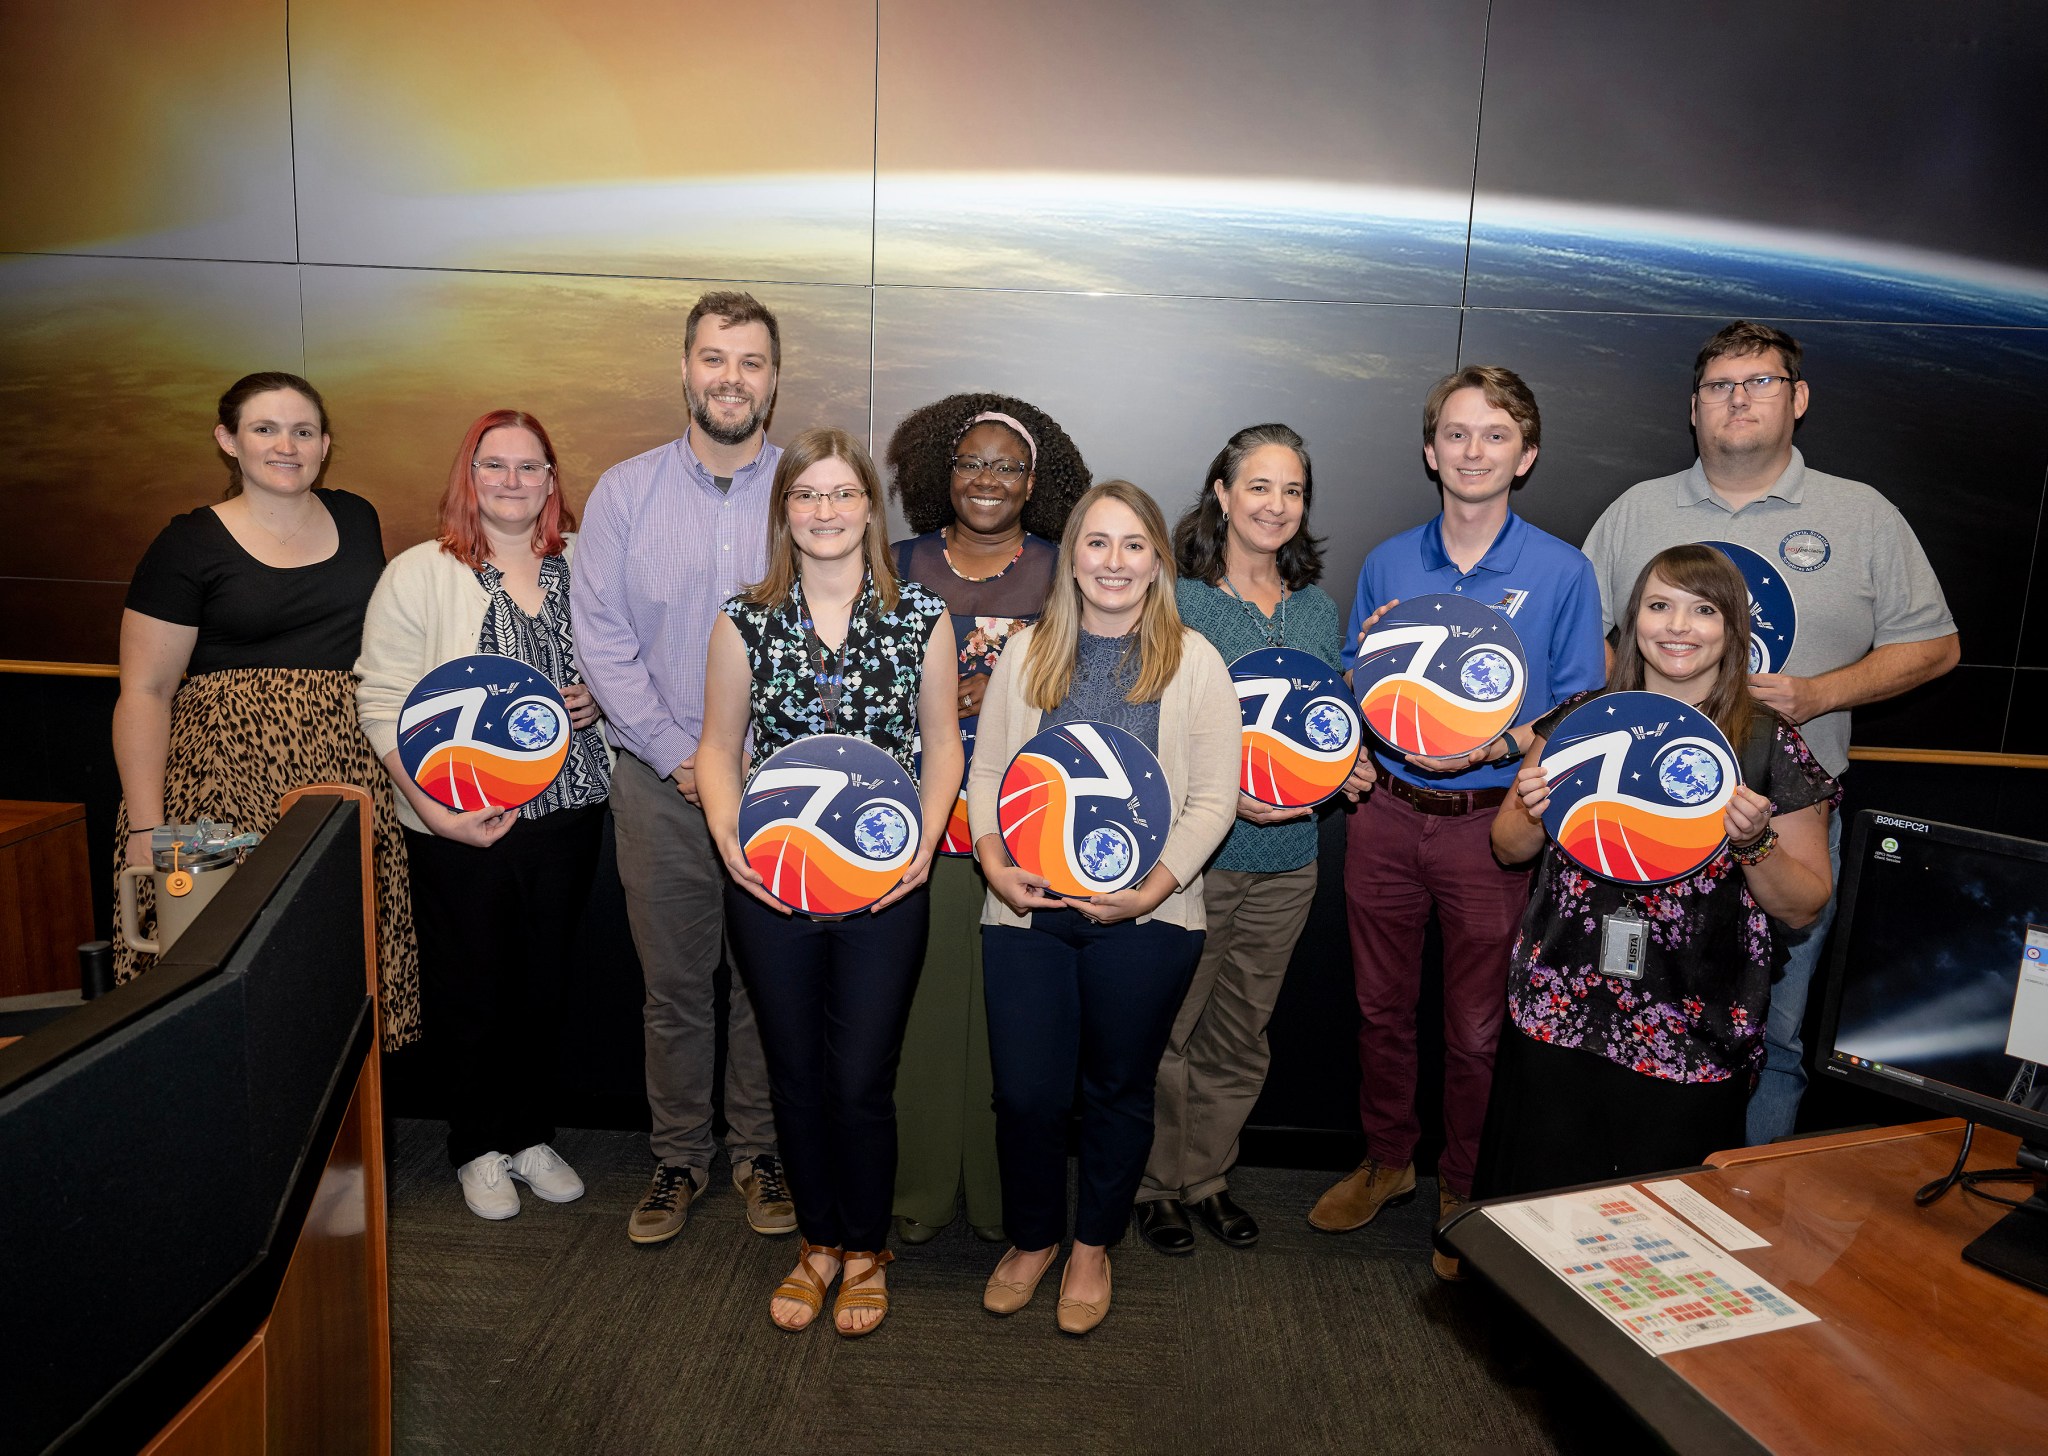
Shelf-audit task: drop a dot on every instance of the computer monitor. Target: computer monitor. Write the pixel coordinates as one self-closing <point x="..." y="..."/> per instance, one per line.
<point x="1938" y="993"/>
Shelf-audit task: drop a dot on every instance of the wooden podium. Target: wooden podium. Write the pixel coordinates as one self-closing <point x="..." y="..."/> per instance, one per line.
<point x="194" y="1233"/>
<point x="316" y="1376"/>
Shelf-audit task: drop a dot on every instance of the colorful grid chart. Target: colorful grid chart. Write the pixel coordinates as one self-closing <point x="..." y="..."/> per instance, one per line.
<point x="1656" y="1277"/>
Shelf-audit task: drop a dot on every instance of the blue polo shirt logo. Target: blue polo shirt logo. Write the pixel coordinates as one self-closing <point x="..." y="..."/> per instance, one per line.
<point x="1805" y="550"/>
<point x="1510" y="602"/>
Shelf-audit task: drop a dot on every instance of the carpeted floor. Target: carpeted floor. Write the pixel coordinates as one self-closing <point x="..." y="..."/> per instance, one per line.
<point x="550" y="1332"/>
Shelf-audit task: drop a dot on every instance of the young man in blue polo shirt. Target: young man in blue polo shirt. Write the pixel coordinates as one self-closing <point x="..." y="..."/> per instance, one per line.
<point x="1421" y="841"/>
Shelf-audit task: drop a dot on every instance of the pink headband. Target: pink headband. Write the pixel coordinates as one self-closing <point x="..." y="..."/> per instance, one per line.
<point x="1002" y="419"/>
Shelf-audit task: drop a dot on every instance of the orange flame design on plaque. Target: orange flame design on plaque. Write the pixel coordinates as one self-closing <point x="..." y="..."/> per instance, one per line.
<point x="1419" y="717"/>
<point x="959" y="839"/>
<point x="1631" y="842"/>
<point x="476" y="776"/>
<point x="1275" y="771"/>
<point x="1034" y="813"/>
<point x="805" y="869"/>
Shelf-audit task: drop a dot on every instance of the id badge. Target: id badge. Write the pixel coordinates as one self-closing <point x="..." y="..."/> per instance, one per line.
<point x="1624" y="944"/>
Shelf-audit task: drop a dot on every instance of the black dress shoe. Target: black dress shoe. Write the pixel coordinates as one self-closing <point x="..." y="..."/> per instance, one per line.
<point x="1223" y="1218"/>
<point x="1163" y="1223"/>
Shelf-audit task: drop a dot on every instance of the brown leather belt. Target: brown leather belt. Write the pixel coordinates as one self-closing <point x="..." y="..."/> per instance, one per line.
<point x="1449" y="803"/>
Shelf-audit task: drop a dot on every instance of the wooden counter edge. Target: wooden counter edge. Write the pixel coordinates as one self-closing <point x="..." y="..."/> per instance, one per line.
<point x="1736" y="1157"/>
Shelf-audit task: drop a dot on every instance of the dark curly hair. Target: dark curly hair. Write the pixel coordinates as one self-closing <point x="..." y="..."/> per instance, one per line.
<point x="920" y="459"/>
<point x="1198" y="538"/>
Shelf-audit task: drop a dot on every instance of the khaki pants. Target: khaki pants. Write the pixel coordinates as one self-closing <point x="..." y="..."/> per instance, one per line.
<point x="1216" y="1057"/>
<point x="675" y="900"/>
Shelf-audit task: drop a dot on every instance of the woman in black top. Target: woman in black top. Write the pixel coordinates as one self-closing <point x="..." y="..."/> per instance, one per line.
<point x="256" y="604"/>
<point x="829" y="641"/>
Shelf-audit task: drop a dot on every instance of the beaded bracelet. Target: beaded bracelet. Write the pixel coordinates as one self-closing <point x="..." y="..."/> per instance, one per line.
<point x="1759" y="851"/>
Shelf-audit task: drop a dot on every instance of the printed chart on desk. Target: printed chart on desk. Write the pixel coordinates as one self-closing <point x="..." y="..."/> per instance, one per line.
<point x="1666" y="1285"/>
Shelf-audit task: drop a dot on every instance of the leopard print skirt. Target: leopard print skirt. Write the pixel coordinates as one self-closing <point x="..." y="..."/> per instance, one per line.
<point x="240" y="740"/>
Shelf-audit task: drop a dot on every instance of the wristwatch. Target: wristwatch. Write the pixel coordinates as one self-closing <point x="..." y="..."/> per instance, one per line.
<point x="1514" y="753"/>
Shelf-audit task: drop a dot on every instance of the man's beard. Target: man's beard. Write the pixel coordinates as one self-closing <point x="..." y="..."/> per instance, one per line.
<point x="738" y="434"/>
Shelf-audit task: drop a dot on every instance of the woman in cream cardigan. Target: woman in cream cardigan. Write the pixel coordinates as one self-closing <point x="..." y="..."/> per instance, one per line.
<point x="496" y="893"/>
<point x="1091" y="986"/>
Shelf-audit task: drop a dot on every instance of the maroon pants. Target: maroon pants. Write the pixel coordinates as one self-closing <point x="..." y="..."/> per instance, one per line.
<point x="1398" y="864"/>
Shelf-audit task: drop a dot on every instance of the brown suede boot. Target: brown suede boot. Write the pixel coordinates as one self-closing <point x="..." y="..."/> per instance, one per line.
<point x="1448" y="1201"/>
<point x="1357" y="1200"/>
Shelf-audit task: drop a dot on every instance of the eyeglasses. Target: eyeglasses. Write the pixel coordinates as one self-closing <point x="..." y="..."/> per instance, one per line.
<point x="967" y="467"/>
<point x="1757" y="386"/>
<point x="530" y="472"/>
<point x="845" y="498"/>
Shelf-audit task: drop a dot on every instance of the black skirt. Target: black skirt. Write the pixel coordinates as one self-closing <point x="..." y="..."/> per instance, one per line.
<point x="1559" y="1116"/>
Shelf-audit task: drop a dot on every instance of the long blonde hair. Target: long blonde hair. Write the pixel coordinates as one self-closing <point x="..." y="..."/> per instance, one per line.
<point x="807" y="449"/>
<point x="1056" y="638"/>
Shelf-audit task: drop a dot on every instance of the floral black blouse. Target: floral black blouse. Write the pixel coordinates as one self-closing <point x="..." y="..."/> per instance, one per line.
<point x="1697" y="1013"/>
<point x="884" y="671"/>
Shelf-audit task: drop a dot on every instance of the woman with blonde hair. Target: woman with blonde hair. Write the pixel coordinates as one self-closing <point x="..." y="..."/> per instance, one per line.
<point x="1089" y="987"/>
<point x="831" y="641"/>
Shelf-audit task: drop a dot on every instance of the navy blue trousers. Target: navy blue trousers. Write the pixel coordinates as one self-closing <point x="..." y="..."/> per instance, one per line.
<point x="831" y="998"/>
<point x="1070" y="1000"/>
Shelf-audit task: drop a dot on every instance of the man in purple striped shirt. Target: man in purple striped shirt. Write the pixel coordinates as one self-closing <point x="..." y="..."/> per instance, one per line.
<point x="667" y="537"/>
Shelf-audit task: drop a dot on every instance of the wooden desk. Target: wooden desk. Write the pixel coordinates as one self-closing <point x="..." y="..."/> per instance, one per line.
<point x="1915" y="1350"/>
<point x="45" y="896"/>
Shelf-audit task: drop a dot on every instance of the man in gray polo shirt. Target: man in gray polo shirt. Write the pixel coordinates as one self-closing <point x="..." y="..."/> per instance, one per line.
<point x="1871" y="619"/>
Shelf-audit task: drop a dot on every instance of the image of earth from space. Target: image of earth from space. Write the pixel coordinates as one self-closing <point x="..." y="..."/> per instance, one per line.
<point x="881" y="831"/>
<point x="533" y="725"/>
<point x="1105" y="853"/>
<point x="1486" y="675"/>
<point x="1328" y="726"/>
<point x="1689" y="774"/>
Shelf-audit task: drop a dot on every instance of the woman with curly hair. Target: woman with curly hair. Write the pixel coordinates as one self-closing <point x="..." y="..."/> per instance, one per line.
<point x="987" y="481"/>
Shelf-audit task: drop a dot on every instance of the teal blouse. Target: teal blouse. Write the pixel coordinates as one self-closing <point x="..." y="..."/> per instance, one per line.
<point x="1236" y="627"/>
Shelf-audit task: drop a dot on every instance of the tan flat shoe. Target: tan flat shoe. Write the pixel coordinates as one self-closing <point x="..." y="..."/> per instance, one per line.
<point x="855" y="1293"/>
<point x="1003" y="1296"/>
<point x="1079" y="1316"/>
<point x="805" y="1286"/>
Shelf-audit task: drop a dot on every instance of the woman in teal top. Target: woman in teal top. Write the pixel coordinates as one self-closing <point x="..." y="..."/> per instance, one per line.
<point x="1248" y="568"/>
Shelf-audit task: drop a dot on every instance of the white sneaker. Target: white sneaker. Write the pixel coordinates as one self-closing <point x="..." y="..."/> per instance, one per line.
<point x="541" y="1168"/>
<point x="484" y="1187"/>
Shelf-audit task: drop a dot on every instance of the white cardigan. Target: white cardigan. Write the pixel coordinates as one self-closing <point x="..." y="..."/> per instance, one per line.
<point x="428" y="609"/>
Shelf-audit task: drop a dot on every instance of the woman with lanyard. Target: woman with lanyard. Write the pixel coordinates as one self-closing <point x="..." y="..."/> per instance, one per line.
<point x="1087" y="988"/>
<point x="1601" y="1076"/>
<point x="986" y="481"/>
<point x="497" y="894"/>
<point x="1248" y="568"/>
<point x="829" y="641"/>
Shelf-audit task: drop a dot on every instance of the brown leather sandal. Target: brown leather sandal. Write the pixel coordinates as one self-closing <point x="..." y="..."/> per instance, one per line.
<point x="805" y="1285"/>
<point x="853" y="1294"/>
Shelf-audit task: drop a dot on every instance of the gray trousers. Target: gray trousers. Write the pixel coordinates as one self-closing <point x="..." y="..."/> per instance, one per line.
<point x="675" y="899"/>
<point x="1216" y="1056"/>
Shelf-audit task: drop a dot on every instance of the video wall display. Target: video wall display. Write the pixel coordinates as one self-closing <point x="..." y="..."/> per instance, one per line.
<point x="595" y="359"/>
<point x="1157" y="223"/>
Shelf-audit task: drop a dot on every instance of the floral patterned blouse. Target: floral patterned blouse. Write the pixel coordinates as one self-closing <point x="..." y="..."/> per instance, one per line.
<point x="1697" y="1012"/>
<point x="884" y="670"/>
